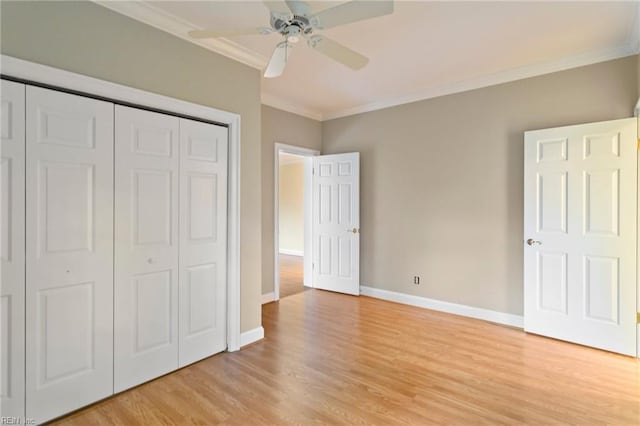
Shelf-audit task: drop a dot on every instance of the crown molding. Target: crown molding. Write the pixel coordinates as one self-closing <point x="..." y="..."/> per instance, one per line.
<point x="144" y="12"/>
<point x="491" y="80"/>
<point x="288" y="106"/>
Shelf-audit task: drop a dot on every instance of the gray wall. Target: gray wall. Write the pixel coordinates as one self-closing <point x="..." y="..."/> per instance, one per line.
<point x="279" y="127"/>
<point x="88" y="39"/>
<point x="442" y="180"/>
<point x="291" y="207"/>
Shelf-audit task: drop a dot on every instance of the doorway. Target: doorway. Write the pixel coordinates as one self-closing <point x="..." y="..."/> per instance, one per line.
<point x="292" y="224"/>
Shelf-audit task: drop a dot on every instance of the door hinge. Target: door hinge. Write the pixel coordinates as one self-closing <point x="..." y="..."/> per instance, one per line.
<point x="313" y="265"/>
<point x="313" y="171"/>
<point x="638" y="144"/>
<point x="637" y="317"/>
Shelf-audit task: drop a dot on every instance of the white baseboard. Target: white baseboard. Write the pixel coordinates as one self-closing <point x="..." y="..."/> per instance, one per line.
<point x="439" y="305"/>
<point x="269" y="297"/>
<point x="251" y="336"/>
<point x="291" y="252"/>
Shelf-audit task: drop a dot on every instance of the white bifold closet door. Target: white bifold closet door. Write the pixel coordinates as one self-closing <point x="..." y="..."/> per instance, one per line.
<point x="12" y="254"/>
<point x="69" y="252"/>
<point x="203" y="240"/>
<point x="170" y="233"/>
<point x="146" y="252"/>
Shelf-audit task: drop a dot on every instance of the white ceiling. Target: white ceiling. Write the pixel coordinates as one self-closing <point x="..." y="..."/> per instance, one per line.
<point x="424" y="49"/>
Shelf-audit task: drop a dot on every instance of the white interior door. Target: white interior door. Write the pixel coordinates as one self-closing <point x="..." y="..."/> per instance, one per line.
<point x="12" y="250"/>
<point x="69" y="252"/>
<point x="146" y="254"/>
<point x="580" y="234"/>
<point x="203" y="240"/>
<point x="336" y="222"/>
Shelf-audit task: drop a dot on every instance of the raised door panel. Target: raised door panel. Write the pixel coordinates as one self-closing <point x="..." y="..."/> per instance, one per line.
<point x="324" y="258"/>
<point x="552" y="201"/>
<point x="602" y="289"/>
<point x="69" y="252"/>
<point x="152" y="205"/>
<point x="65" y="205"/>
<point x="601" y="203"/>
<point x="202" y="198"/>
<point x="66" y="335"/>
<point x="552" y="282"/>
<point x="203" y="240"/>
<point x="146" y="255"/>
<point x="202" y="283"/>
<point x="12" y="292"/>
<point x="152" y="310"/>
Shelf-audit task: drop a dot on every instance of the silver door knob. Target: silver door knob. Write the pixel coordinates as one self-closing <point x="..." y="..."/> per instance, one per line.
<point x="531" y="242"/>
<point x="354" y="230"/>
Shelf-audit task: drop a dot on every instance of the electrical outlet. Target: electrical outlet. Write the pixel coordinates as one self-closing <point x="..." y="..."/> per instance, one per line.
<point x="416" y="279"/>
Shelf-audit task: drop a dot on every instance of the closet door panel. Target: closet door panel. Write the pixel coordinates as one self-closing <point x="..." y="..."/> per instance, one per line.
<point x="203" y="240"/>
<point x="146" y="255"/>
<point x="69" y="252"/>
<point x="12" y="291"/>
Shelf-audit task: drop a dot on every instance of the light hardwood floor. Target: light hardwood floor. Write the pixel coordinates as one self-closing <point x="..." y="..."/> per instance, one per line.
<point x="291" y="269"/>
<point x="336" y="359"/>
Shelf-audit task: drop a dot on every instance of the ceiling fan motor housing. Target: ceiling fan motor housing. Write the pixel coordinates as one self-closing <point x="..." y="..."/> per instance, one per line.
<point x="288" y="25"/>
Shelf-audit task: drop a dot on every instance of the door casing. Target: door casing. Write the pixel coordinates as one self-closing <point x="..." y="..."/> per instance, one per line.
<point x="308" y="154"/>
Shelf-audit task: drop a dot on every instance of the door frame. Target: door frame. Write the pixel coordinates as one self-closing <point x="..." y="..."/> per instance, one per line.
<point x="37" y="74"/>
<point x="308" y="153"/>
<point x="637" y="115"/>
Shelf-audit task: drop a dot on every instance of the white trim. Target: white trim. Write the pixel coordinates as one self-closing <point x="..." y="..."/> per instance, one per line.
<point x="268" y="298"/>
<point x="251" y="336"/>
<point x="488" y="80"/>
<point x="167" y="22"/>
<point x="638" y="229"/>
<point x="307" y="278"/>
<point x="289" y="106"/>
<point x="292" y="252"/>
<point x="438" y="305"/>
<point x="19" y="68"/>
<point x="307" y="153"/>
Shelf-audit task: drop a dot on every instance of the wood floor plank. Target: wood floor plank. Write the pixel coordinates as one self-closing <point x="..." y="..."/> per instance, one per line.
<point x="335" y="359"/>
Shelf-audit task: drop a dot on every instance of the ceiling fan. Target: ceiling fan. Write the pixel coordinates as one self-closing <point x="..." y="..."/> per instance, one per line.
<point x="294" y="20"/>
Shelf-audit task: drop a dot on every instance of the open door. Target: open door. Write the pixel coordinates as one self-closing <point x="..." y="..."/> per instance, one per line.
<point x="336" y="223"/>
<point x="580" y="234"/>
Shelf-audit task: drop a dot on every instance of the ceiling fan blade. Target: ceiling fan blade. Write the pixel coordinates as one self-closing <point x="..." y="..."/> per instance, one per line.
<point x="279" y="7"/>
<point x="351" y="12"/>
<point x="278" y="60"/>
<point x="338" y="52"/>
<point x="228" y="32"/>
<point x="299" y="8"/>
